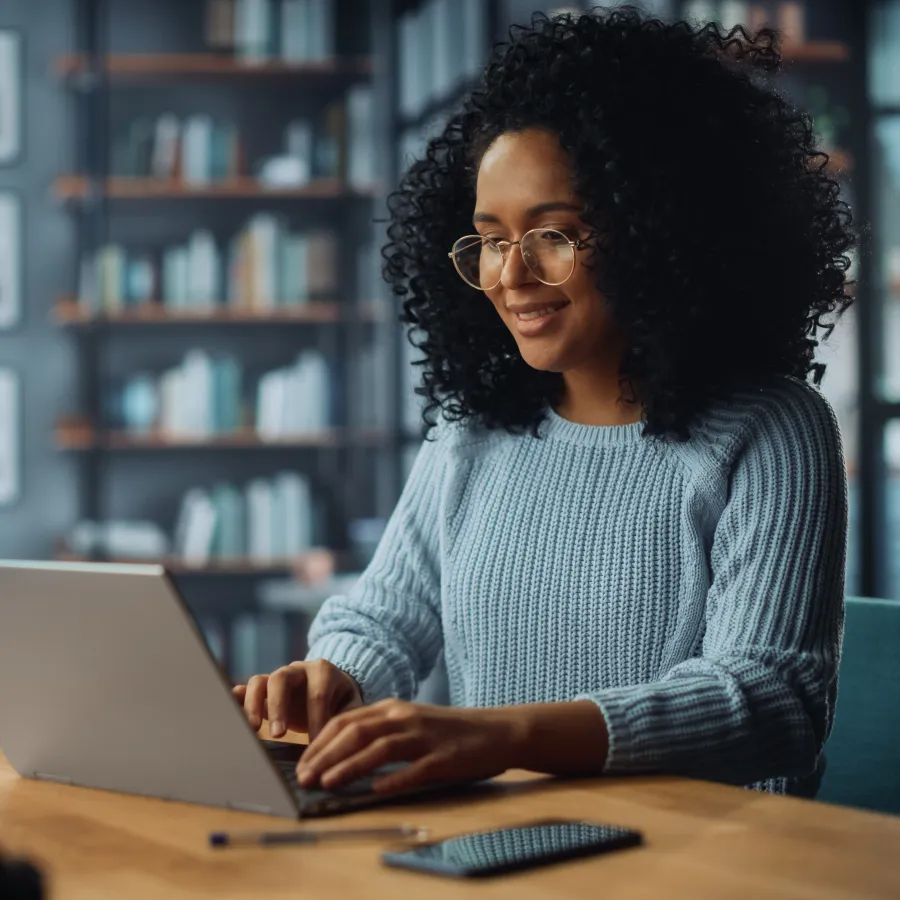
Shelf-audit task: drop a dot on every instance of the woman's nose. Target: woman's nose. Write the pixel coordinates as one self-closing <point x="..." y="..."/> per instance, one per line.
<point x="514" y="271"/>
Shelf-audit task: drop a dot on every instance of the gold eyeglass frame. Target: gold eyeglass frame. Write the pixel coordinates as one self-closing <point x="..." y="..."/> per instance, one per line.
<point x="579" y="244"/>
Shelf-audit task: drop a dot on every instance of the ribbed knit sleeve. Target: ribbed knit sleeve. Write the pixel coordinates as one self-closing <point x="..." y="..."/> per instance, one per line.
<point x="758" y="700"/>
<point x="386" y="632"/>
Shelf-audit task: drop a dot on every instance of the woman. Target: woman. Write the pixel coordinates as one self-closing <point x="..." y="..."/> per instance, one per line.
<point x="627" y="533"/>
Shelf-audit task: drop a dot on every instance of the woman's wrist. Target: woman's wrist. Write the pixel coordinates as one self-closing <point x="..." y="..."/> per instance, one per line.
<point x="554" y="738"/>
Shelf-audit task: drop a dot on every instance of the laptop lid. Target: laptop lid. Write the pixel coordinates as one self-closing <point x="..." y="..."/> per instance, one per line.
<point x="106" y="682"/>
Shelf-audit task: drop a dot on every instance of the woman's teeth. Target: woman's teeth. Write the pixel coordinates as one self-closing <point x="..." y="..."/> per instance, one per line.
<point x="538" y="313"/>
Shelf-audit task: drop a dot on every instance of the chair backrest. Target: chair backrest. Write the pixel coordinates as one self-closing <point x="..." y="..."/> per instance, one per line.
<point x="863" y="752"/>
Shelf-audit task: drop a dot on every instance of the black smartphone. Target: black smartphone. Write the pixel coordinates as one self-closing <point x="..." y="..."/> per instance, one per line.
<point x="511" y="849"/>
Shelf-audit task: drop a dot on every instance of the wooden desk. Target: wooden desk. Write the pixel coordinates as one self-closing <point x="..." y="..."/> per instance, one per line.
<point x="703" y="840"/>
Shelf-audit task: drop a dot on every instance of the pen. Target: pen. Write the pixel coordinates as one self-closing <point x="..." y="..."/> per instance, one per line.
<point x="310" y="836"/>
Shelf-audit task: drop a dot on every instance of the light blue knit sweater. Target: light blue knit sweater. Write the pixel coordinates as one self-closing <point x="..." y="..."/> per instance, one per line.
<point x="693" y="590"/>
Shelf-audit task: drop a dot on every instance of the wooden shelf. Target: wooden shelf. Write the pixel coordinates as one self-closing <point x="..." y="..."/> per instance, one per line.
<point x="178" y="566"/>
<point x="77" y="187"/>
<point x="816" y="51"/>
<point x="78" y="434"/>
<point x="143" y="66"/>
<point x="68" y="312"/>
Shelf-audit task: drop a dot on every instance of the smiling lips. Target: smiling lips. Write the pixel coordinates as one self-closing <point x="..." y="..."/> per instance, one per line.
<point x="536" y="320"/>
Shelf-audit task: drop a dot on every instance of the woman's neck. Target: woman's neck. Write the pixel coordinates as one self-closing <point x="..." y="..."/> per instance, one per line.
<point x="591" y="398"/>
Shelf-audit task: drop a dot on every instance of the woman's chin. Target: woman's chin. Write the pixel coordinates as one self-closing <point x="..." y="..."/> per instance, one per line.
<point x="544" y="359"/>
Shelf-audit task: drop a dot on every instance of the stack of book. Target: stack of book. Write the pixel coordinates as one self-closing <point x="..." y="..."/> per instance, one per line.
<point x="265" y="521"/>
<point x="265" y="266"/>
<point x="293" y="31"/>
<point x="196" y="151"/>
<point x="203" y="398"/>
<point x="270" y="266"/>
<point x="295" y="399"/>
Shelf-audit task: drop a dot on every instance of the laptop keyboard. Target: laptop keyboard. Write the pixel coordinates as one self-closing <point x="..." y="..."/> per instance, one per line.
<point x="315" y="801"/>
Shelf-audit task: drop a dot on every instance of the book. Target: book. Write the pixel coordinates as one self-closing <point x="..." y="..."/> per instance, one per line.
<point x="175" y="278"/>
<point x="196" y="150"/>
<point x="111" y="270"/>
<point x="271" y="401"/>
<point x="292" y="515"/>
<point x="218" y="30"/>
<point x="203" y="271"/>
<point x="195" y="528"/>
<point x="196" y="417"/>
<point x="294" y="33"/>
<point x="140" y="280"/>
<point x="253" y="30"/>
<point x="330" y="142"/>
<point x="166" y="147"/>
<point x="259" y="519"/>
<point x="321" y="29"/>
<point x="227" y="392"/>
<point x="294" y="270"/>
<point x="321" y="259"/>
<point x="230" y="538"/>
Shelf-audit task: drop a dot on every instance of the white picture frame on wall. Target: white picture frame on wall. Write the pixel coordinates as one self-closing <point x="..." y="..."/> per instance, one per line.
<point x="10" y="437"/>
<point x="10" y="259"/>
<point x="10" y="96"/>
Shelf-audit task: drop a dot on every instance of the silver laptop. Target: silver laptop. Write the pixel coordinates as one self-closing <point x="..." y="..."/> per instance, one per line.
<point x="106" y="682"/>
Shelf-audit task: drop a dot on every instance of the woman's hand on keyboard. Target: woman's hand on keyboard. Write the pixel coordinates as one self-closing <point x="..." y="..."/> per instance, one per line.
<point x="302" y="696"/>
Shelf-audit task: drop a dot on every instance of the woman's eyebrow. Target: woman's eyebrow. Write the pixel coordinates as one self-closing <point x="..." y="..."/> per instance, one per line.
<point x="532" y="211"/>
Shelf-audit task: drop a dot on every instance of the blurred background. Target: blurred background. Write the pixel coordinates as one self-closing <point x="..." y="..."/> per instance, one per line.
<point x="198" y="361"/>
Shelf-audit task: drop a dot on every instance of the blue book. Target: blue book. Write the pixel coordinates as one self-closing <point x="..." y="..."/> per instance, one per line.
<point x="230" y="539"/>
<point x="226" y="396"/>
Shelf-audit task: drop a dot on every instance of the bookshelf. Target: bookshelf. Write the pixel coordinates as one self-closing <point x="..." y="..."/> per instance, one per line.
<point x="816" y="52"/>
<point x="74" y="435"/>
<point x="132" y="220"/>
<point x="162" y="66"/>
<point x="79" y="187"/>
<point x="214" y="567"/>
<point x="68" y="312"/>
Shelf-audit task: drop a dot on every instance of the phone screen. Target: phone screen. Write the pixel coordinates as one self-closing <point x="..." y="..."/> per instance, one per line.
<point x="509" y="849"/>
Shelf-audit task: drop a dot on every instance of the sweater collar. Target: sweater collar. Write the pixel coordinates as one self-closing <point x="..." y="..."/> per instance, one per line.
<point x="557" y="428"/>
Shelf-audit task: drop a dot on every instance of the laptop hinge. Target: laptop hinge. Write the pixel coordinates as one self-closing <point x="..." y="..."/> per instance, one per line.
<point x="248" y="807"/>
<point x="49" y="776"/>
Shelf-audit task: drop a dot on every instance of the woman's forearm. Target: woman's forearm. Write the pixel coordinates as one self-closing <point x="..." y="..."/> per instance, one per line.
<point x="556" y="738"/>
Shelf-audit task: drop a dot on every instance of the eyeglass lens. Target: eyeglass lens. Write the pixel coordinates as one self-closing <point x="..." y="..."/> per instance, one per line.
<point x="547" y="253"/>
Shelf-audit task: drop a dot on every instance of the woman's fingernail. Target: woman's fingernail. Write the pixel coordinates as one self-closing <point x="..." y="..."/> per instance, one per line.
<point x="276" y="727"/>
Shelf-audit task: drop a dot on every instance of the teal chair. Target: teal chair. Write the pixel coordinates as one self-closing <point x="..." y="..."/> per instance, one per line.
<point x="862" y="754"/>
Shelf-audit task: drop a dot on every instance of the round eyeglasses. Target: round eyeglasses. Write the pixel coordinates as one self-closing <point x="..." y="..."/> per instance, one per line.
<point x="549" y="255"/>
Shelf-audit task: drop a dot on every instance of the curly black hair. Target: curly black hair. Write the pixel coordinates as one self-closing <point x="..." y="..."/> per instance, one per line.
<point x="728" y="240"/>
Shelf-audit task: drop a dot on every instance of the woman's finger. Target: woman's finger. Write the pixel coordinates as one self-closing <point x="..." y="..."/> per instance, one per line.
<point x="425" y="769"/>
<point x="321" y="687"/>
<point x="283" y="687"/>
<point x="354" y="736"/>
<point x="383" y="750"/>
<point x="332" y="729"/>
<point x="254" y="699"/>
